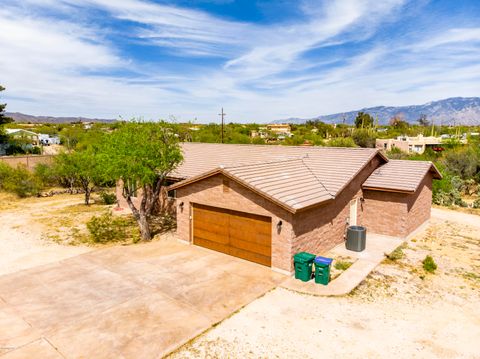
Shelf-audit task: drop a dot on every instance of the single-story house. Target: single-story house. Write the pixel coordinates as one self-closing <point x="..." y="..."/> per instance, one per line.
<point x="29" y="137"/>
<point x="266" y="203"/>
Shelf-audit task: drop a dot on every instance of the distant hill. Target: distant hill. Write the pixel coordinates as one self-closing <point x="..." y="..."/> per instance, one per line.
<point x="455" y="110"/>
<point x="23" y="118"/>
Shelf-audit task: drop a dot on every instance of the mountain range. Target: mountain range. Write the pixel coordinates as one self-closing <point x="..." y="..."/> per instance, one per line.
<point x="23" y="118"/>
<point x="450" y="111"/>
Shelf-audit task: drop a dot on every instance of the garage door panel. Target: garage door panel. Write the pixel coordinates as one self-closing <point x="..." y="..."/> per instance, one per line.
<point x="211" y="236"/>
<point x="251" y="247"/>
<point x="210" y="217"/>
<point x="214" y="228"/>
<point x="236" y="220"/>
<point x="219" y="247"/>
<point x="249" y="236"/>
<point x="250" y="256"/>
<point x="240" y="234"/>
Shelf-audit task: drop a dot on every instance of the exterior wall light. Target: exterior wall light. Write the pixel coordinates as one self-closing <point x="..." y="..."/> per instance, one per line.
<point x="279" y="226"/>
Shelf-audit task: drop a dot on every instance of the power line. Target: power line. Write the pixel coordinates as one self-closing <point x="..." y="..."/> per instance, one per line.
<point x="223" y="114"/>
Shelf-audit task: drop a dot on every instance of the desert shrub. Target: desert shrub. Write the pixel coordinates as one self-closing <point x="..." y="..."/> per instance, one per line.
<point x="364" y="138"/>
<point x="463" y="163"/>
<point x="342" y="265"/>
<point x="429" y="264"/>
<point x="448" y="191"/>
<point x="108" y="197"/>
<point x="18" y="180"/>
<point x="107" y="228"/>
<point x="341" y="142"/>
<point x="476" y="203"/>
<point x="397" y="154"/>
<point x="396" y="254"/>
<point x="46" y="175"/>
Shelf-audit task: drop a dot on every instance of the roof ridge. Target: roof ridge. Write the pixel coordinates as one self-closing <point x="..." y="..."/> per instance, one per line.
<point x="296" y="158"/>
<point x="318" y="179"/>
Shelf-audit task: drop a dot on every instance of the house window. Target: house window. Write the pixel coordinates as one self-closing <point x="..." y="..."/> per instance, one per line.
<point x="172" y="193"/>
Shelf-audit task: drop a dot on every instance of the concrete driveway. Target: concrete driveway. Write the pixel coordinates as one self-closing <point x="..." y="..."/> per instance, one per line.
<point x="139" y="301"/>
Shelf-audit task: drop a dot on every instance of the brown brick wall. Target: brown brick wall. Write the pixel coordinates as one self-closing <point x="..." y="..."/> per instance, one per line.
<point x="385" y="212"/>
<point x="210" y="192"/>
<point x="398" y="214"/>
<point x="321" y="228"/>
<point x="419" y="205"/>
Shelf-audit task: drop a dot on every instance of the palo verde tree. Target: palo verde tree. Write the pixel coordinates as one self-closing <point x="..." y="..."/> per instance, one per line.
<point x="141" y="155"/>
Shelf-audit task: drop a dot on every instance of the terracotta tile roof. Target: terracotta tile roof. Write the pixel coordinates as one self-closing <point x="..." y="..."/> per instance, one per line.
<point x="295" y="177"/>
<point x="290" y="182"/>
<point x="400" y="175"/>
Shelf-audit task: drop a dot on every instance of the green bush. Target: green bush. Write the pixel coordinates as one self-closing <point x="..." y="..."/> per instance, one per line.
<point x="19" y="180"/>
<point x="429" y="264"/>
<point x="364" y="138"/>
<point x="463" y="163"/>
<point x="341" y="142"/>
<point x="45" y="175"/>
<point x="396" y="254"/>
<point x="342" y="265"/>
<point x="476" y="203"/>
<point x="108" y="197"/>
<point x="107" y="228"/>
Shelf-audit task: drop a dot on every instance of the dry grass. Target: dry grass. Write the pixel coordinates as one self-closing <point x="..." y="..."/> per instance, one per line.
<point x="456" y="250"/>
<point x="8" y="201"/>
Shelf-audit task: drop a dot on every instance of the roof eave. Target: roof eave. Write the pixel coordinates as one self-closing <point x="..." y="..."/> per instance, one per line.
<point x="387" y="189"/>
<point x="435" y="171"/>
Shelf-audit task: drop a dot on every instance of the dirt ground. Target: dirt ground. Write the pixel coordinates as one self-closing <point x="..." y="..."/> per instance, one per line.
<point x="35" y="231"/>
<point x="398" y="311"/>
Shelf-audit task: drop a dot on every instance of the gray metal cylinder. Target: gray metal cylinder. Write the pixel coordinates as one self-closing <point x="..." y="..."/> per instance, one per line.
<point x="356" y="238"/>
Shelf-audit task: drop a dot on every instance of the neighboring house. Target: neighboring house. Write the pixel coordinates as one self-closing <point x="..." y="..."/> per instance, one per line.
<point x="409" y="144"/>
<point x="27" y="137"/>
<point x="280" y="129"/>
<point x="48" y="140"/>
<point x="260" y="133"/>
<point x="266" y="203"/>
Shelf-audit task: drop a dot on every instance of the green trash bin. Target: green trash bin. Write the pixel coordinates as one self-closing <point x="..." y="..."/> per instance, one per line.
<point x="322" y="270"/>
<point x="303" y="262"/>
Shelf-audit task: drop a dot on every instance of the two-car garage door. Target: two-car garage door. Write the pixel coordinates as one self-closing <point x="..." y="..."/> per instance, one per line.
<point x="239" y="234"/>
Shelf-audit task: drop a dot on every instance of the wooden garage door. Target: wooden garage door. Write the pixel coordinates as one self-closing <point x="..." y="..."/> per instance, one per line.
<point x="244" y="235"/>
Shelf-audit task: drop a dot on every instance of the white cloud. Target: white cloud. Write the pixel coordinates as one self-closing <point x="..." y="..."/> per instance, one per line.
<point x="67" y="67"/>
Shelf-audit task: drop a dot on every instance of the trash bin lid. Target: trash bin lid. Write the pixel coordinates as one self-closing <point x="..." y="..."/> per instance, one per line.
<point x="304" y="257"/>
<point x="323" y="260"/>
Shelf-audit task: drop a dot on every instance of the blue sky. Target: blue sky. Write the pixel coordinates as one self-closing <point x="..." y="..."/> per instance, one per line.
<point x="260" y="60"/>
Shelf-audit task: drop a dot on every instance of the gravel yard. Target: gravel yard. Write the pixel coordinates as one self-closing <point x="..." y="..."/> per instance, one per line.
<point x="399" y="311"/>
<point x="36" y="231"/>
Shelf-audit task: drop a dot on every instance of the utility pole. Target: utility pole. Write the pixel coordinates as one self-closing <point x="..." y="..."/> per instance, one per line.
<point x="223" y="114"/>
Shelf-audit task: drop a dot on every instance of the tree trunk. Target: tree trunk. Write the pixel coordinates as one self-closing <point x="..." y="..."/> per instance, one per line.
<point x="145" y="231"/>
<point x="140" y="216"/>
<point x="87" y="195"/>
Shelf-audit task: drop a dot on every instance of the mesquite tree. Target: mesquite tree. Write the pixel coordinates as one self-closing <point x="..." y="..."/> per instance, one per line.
<point x="141" y="155"/>
<point x="80" y="169"/>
